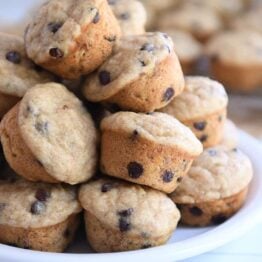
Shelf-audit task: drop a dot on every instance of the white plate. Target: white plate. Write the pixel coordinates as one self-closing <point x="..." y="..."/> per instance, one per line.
<point x="185" y="242"/>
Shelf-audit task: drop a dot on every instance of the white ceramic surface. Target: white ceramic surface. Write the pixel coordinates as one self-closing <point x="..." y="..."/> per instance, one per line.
<point x="185" y="242"/>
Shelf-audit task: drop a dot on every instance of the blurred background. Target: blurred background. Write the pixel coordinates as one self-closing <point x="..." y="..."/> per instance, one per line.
<point x="219" y="38"/>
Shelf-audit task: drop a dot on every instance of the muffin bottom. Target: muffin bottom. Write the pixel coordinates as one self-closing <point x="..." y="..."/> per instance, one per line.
<point x="53" y="238"/>
<point x="212" y="212"/>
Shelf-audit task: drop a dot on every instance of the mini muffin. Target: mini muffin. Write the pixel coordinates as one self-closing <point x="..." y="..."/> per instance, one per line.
<point x="149" y="149"/>
<point x="17" y="72"/>
<point x="72" y="38"/>
<point x="50" y="137"/>
<point x="202" y="107"/>
<point x="143" y="74"/>
<point x="202" y="23"/>
<point x="215" y="187"/>
<point x="250" y="21"/>
<point x="131" y="16"/>
<point x="230" y="135"/>
<point x="188" y="49"/>
<point x="236" y="59"/>
<point x="121" y="216"/>
<point x="37" y="216"/>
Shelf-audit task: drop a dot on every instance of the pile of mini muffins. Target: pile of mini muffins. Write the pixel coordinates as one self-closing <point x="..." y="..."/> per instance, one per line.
<point x="97" y="116"/>
<point x="221" y="38"/>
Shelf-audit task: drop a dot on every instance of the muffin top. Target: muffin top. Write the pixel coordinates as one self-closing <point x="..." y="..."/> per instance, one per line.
<point x="236" y="47"/>
<point x="132" y="56"/>
<point x="131" y="16"/>
<point x="59" y="132"/>
<point x="35" y="205"/>
<point x="186" y="47"/>
<point x="217" y="173"/>
<point x="131" y="208"/>
<point x="17" y="72"/>
<point x="201" y="96"/>
<point x="156" y="127"/>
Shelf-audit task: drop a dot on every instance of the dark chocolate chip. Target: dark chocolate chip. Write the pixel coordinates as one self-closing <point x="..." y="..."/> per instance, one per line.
<point x="54" y="26"/>
<point x="96" y="18"/>
<point x="126" y="212"/>
<point x="196" y="211"/>
<point x="146" y="246"/>
<point x="111" y="38"/>
<point x="2" y="206"/>
<point x="104" y="77"/>
<point x="42" y="194"/>
<point x="134" y="135"/>
<point x="169" y="93"/>
<point x="148" y="47"/>
<point x="135" y="170"/>
<point x="14" y="57"/>
<point x="142" y="62"/>
<point x="179" y="179"/>
<point x="42" y="127"/>
<point x="124" y="16"/>
<point x="212" y="152"/>
<point x="167" y="176"/>
<point x="218" y="219"/>
<point x="38" y="208"/>
<point x="106" y="187"/>
<point x="203" y="138"/>
<point x="200" y="125"/>
<point x="56" y="52"/>
<point x="124" y="224"/>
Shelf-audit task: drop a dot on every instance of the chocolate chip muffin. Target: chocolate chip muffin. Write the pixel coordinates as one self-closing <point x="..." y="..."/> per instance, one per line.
<point x="71" y="37"/>
<point x="50" y="137"/>
<point x="142" y="74"/>
<point x="215" y="187"/>
<point x="187" y="48"/>
<point x="236" y="59"/>
<point x="202" y="107"/>
<point x="149" y="149"/>
<point x="230" y="137"/>
<point x="202" y="23"/>
<point x="131" y="16"/>
<point x="37" y="216"/>
<point x="121" y="216"/>
<point x="17" y="72"/>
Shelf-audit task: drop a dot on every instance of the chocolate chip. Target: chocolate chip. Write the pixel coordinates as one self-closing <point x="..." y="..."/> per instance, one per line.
<point x="203" y="138"/>
<point x="111" y="38"/>
<point x="200" y="125"/>
<point x="179" y="179"/>
<point x="126" y="213"/>
<point x="146" y="246"/>
<point x="148" y="47"/>
<point x="42" y="127"/>
<point x="124" y="224"/>
<point x="218" y="219"/>
<point x="96" y="18"/>
<point x="104" y="77"/>
<point x="56" y="52"/>
<point x="2" y="206"/>
<point x="169" y="93"/>
<point x="142" y="63"/>
<point x="212" y="152"/>
<point x="42" y="194"/>
<point x="165" y="35"/>
<point x="196" y="211"/>
<point x="234" y="149"/>
<point x="14" y="57"/>
<point x="54" y="26"/>
<point x="135" y="170"/>
<point x="168" y="48"/>
<point x="106" y="187"/>
<point x="134" y="135"/>
<point x="167" y="176"/>
<point x="124" y="16"/>
<point x="38" y="208"/>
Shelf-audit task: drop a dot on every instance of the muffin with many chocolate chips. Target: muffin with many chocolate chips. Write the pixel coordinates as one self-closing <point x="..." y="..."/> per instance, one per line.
<point x="17" y="72"/>
<point x="37" y="216"/>
<point x="215" y="187"/>
<point x="131" y="16"/>
<point x="50" y="137"/>
<point x="121" y="216"/>
<point x="202" y="107"/>
<point x="72" y="37"/>
<point x="142" y="74"/>
<point x="149" y="149"/>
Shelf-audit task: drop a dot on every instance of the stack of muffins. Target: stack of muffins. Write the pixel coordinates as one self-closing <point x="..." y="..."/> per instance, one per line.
<point x="144" y="168"/>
